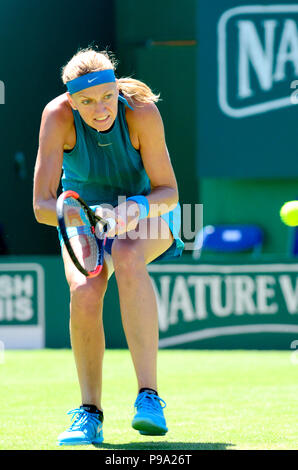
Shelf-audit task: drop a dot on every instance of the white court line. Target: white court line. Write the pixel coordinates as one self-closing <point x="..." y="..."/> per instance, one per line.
<point x="226" y="331"/>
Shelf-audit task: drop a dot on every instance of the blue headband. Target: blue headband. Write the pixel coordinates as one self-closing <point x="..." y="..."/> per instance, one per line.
<point x="90" y="79"/>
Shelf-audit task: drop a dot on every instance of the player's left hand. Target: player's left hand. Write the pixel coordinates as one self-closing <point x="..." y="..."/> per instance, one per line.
<point x="111" y="217"/>
<point x="128" y="214"/>
<point x="126" y="217"/>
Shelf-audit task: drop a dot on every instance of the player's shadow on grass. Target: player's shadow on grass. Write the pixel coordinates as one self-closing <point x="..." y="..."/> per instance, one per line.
<point x="164" y="445"/>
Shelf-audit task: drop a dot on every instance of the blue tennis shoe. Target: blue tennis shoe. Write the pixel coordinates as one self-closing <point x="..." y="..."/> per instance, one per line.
<point x="86" y="428"/>
<point x="149" y="419"/>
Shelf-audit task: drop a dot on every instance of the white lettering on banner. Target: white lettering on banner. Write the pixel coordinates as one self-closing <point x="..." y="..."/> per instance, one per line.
<point x="23" y="285"/>
<point x="251" y="53"/>
<point x="16" y="293"/>
<point x="217" y="307"/>
<point x="264" y="293"/>
<point x="23" y="309"/>
<point x="288" y="50"/>
<point x="22" y="305"/>
<point x="181" y="301"/>
<point x="6" y="286"/>
<point x="16" y="285"/>
<point x="290" y="294"/>
<point x="199" y="283"/>
<point x="267" y="43"/>
<point x="196" y="297"/>
<point x="162" y="300"/>
<point x="244" y="288"/>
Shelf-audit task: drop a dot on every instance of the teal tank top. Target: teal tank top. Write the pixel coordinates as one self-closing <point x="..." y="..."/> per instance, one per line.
<point x="104" y="165"/>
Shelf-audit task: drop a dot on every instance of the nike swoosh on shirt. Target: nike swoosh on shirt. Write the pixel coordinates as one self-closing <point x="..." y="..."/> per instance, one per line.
<point x="92" y="80"/>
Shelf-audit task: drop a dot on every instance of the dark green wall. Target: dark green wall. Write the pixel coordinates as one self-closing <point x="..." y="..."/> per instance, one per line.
<point x="143" y="33"/>
<point x="165" y="20"/>
<point x="37" y="39"/>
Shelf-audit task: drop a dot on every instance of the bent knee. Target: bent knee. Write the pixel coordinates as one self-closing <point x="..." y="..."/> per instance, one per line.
<point x="87" y="294"/>
<point x="127" y="257"/>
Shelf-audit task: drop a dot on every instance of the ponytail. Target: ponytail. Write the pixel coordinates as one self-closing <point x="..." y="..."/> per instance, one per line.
<point x="136" y="90"/>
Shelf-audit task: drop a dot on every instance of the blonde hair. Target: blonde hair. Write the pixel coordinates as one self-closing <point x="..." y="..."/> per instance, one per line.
<point x="89" y="60"/>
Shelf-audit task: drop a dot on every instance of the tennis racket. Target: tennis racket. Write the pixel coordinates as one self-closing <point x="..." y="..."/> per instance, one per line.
<point x="83" y="232"/>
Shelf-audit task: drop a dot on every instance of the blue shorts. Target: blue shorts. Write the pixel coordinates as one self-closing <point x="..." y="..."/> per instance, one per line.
<point x="172" y="218"/>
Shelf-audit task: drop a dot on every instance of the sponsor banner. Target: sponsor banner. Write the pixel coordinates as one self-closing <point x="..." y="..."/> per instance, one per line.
<point x="254" y="306"/>
<point x="267" y="57"/>
<point x="247" y="86"/>
<point x="206" y="306"/>
<point x="22" y="305"/>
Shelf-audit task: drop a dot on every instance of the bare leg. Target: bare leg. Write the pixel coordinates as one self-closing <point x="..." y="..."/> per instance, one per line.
<point x="86" y="329"/>
<point x="138" y="303"/>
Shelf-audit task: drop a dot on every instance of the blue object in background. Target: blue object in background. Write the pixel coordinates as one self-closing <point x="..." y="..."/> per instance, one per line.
<point x="228" y="238"/>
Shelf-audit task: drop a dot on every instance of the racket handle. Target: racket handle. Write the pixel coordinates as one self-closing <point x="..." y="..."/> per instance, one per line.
<point x="111" y="223"/>
<point x="99" y="232"/>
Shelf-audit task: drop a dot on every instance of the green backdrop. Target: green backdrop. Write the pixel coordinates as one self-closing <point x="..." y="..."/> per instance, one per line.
<point x="242" y="170"/>
<point x="37" y="39"/>
<point x="161" y="51"/>
<point x="247" y="60"/>
<point x="245" y="304"/>
<point x="246" y="147"/>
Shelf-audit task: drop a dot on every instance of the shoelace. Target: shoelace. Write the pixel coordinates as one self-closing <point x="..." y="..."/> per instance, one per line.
<point x="150" y="402"/>
<point x="80" y="419"/>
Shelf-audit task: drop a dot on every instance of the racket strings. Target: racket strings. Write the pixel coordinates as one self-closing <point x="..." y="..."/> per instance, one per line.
<point x="80" y="233"/>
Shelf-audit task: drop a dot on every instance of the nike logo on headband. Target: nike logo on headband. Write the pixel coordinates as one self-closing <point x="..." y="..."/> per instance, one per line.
<point x="87" y="80"/>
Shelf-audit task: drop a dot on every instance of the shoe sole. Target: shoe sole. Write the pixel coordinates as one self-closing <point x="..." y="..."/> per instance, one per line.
<point x="80" y="443"/>
<point x="74" y="443"/>
<point x="147" y="427"/>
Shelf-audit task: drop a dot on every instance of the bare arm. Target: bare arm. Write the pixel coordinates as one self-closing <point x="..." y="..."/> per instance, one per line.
<point x="55" y="123"/>
<point x="149" y="127"/>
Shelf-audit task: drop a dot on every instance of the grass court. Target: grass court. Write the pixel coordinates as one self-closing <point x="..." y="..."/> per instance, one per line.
<point x="216" y="400"/>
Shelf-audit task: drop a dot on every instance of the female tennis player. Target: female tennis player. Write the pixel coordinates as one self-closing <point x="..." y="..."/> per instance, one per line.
<point x="106" y="136"/>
